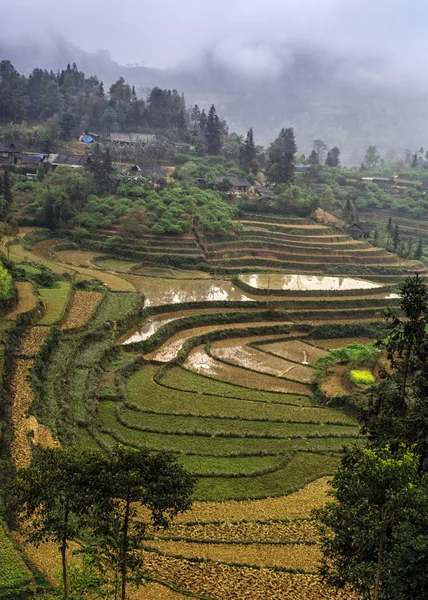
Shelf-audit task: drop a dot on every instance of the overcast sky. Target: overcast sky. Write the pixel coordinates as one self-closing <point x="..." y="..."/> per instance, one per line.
<point x="253" y="36"/>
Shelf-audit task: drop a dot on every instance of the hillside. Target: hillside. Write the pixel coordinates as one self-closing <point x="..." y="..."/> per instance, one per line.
<point x="317" y="95"/>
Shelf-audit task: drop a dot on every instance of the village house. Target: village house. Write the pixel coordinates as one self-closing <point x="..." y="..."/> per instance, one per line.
<point x="31" y="160"/>
<point x="359" y="231"/>
<point x="263" y="193"/>
<point x="69" y="160"/>
<point x="239" y="184"/>
<point x="8" y="152"/>
<point x="147" y="171"/>
<point x="132" y="138"/>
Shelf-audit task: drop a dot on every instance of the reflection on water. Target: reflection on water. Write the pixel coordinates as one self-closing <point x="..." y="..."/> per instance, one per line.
<point x="296" y="282"/>
<point x="161" y="292"/>
<point x="147" y="330"/>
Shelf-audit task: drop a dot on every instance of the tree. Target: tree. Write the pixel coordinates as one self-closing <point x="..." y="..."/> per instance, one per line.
<point x="109" y="119"/>
<point x="66" y="124"/>
<point x="53" y="101"/>
<point x="333" y="157"/>
<point x="134" y="223"/>
<point x="415" y="160"/>
<point x="7" y="192"/>
<point x="59" y="494"/>
<point x="395" y="237"/>
<point x="327" y="199"/>
<point x="419" y="250"/>
<point x="380" y="502"/>
<point x="320" y="149"/>
<point x="372" y="157"/>
<point x="212" y="132"/>
<point x="138" y="479"/>
<point x="313" y="158"/>
<point x="389" y="230"/>
<point x="376" y="237"/>
<point x="349" y="212"/>
<point x="248" y="152"/>
<point x="203" y="120"/>
<point x="396" y="412"/>
<point x="281" y="162"/>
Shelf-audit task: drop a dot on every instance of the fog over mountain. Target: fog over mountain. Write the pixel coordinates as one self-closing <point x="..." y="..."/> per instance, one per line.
<point x="352" y="72"/>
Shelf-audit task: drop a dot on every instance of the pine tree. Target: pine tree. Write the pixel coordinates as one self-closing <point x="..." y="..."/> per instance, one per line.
<point x="282" y="161"/>
<point x="248" y="151"/>
<point x="415" y="161"/>
<point x="395" y="237"/>
<point x="212" y="132"/>
<point x="419" y="250"/>
<point x="376" y="237"/>
<point x="333" y="159"/>
<point x="203" y="121"/>
<point x="7" y="192"/>
<point x="349" y="212"/>
<point x="327" y="199"/>
<point x="389" y="230"/>
<point x="313" y="158"/>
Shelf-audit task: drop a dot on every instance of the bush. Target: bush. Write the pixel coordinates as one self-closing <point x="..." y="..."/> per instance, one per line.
<point x="362" y="377"/>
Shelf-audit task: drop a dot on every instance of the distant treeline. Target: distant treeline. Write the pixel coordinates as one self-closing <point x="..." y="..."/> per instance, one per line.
<point x="79" y="103"/>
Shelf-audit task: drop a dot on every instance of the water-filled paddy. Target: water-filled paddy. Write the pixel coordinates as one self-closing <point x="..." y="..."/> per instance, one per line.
<point x="275" y="281"/>
<point x="164" y="291"/>
<point x="152" y="324"/>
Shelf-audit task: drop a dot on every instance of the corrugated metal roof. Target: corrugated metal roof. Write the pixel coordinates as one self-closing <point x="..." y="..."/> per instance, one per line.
<point x="132" y="138"/>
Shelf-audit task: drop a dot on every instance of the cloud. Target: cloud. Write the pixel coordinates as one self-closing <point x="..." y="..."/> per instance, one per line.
<point x="253" y="38"/>
<point x="255" y="60"/>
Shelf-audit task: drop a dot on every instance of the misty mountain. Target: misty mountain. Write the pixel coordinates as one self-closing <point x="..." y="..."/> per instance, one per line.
<point x="320" y="96"/>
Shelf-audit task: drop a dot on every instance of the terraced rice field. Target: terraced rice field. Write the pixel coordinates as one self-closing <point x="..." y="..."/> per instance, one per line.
<point x="27" y="300"/>
<point x="237" y="409"/>
<point x="162" y="291"/>
<point x="56" y="300"/>
<point x="78" y="258"/>
<point x="15" y="576"/>
<point x="82" y="308"/>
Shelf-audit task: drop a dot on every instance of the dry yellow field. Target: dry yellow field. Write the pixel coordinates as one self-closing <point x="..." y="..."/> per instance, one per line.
<point x="289" y="556"/>
<point x="224" y="582"/>
<point x="34" y="340"/>
<point x="78" y="258"/>
<point x="271" y="531"/>
<point x="82" y="308"/>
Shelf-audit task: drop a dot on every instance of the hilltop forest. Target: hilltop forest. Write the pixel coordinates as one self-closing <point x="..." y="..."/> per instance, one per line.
<point x="197" y="333"/>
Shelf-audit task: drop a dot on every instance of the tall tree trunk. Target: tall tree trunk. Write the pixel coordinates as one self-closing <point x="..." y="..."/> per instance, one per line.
<point x="379" y="566"/>
<point x="124" y="556"/>
<point x="64" y="568"/>
<point x="64" y="554"/>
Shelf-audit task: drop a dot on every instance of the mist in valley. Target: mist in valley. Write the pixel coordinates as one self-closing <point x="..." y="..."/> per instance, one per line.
<point x="350" y="72"/>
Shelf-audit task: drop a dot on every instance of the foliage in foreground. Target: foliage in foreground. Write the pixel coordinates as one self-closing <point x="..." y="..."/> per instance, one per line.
<point x="376" y="530"/>
<point x="375" y="534"/>
<point x="68" y="495"/>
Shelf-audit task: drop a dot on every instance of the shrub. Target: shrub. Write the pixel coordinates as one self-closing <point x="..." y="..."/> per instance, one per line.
<point x="362" y="377"/>
<point x="5" y="283"/>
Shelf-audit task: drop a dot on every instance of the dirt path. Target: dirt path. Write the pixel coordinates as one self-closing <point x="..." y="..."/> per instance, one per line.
<point x="27" y="300"/>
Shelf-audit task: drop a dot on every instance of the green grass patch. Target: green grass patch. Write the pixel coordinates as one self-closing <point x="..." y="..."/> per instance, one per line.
<point x="231" y="467"/>
<point x="362" y="377"/>
<point x="56" y="300"/>
<point x="205" y="445"/>
<point x="145" y="394"/>
<point x="115" y="264"/>
<point x="228" y="427"/>
<point x="15" y="576"/>
<point x="302" y="469"/>
<point x="116" y="306"/>
<point x="181" y="379"/>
